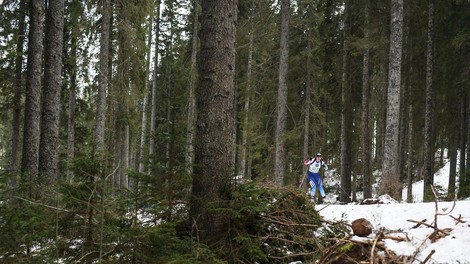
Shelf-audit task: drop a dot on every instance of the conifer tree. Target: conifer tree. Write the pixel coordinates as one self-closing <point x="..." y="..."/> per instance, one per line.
<point x="211" y="188"/>
<point x="390" y="171"/>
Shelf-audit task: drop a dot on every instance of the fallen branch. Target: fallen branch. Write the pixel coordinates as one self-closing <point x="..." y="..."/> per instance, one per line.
<point x="419" y="224"/>
<point x="444" y="231"/>
<point x="372" y="250"/>
<point x="429" y="256"/>
<point x="396" y="238"/>
<point x="458" y="219"/>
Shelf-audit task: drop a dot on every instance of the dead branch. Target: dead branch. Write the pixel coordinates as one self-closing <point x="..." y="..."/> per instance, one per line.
<point x="396" y="238"/>
<point x="45" y="205"/>
<point x="458" y="219"/>
<point x="429" y="256"/>
<point x="436" y="229"/>
<point x="372" y="250"/>
<point x="419" y="224"/>
<point x="278" y="220"/>
<point x="418" y="249"/>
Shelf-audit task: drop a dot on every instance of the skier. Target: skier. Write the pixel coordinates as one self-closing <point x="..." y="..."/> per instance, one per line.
<point x="314" y="177"/>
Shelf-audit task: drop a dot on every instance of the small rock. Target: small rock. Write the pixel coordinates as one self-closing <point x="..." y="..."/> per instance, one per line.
<point x="361" y="227"/>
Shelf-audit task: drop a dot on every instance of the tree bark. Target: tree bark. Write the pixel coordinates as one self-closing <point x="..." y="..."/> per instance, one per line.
<point x="191" y="93"/>
<point x="281" y="107"/>
<point x="468" y="135"/>
<point x="367" y="187"/>
<point x="390" y="168"/>
<point x="346" y="113"/>
<point x="428" y="118"/>
<point x="453" y="142"/>
<point x="143" y="130"/>
<point x="409" y="194"/>
<point x="248" y="94"/>
<point x="308" y="100"/>
<point x="15" y="136"/>
<point x="29" y="161"/>
<point x="153" y="114"/>
<point x="215" y="124"/>
<point x="463" y="128"/>
<point x="409" y="112"/>
<point x="72" y="68"/>
<point x="53" y="51"/>
<point x="103" y="76"/>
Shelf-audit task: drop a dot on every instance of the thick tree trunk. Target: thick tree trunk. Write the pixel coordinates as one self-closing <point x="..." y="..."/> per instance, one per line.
<point x="281" y="107"/>
<point x="15" y="135"/>
<point x="390" y="168"/>
<point x="29" y="162"/>
<point x="103" y="76"/>
<point x="346" y="114"/>
<point x="428" y="124"/>
<point x="49" y="142"/>
<point x="367" y="187"/>
<point x="215" y="122"/>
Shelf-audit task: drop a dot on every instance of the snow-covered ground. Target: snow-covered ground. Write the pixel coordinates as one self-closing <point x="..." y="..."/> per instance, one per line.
<point x="454" y="248"/>
<point x="394" y="216"/>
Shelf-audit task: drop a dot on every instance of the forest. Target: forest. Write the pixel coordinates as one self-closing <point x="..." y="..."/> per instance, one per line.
<point x="171" y="131"/>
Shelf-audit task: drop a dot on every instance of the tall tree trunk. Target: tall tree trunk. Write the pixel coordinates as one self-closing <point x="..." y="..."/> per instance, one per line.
<point x="463" y="127"/>
<point x="153" y="114"/>
<point x="428" y="118"/>
<point x="248" y="93"/>
<point x="409" y="112"/>
<point x="409" y="195"/>
<point x="390" y="169"/>
<point x="453" y="142"/>
<point x="72" y="71"/>
<point x="53" y="51"/>
<point x="123" y="179"/>
<point x="189" y="158"/>
<point x="71" y="127"/>
<point x="123" y="88"/>
<point x="468" y="133"/>
<point x="143" y="130"/>
<point x="308" y="100"/>
<point x="367" y="187"/>
<point x="464" y="176"/>
<point x="103" y="76"/>
<point x="211" y="188"/>
<point x="346" y="113"/>
<point x="15" y="135"/>
<point x="281" y="107"/>
<point x="29" y="161"/>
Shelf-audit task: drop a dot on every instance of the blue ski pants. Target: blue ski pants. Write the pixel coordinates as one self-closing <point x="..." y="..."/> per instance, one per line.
<point x="314" y="179"/>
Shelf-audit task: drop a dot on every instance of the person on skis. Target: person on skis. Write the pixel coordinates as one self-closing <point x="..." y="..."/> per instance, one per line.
<point x="314" y="177"/>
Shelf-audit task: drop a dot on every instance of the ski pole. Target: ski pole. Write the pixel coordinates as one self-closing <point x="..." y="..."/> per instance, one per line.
<point x="302" y="181"/>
